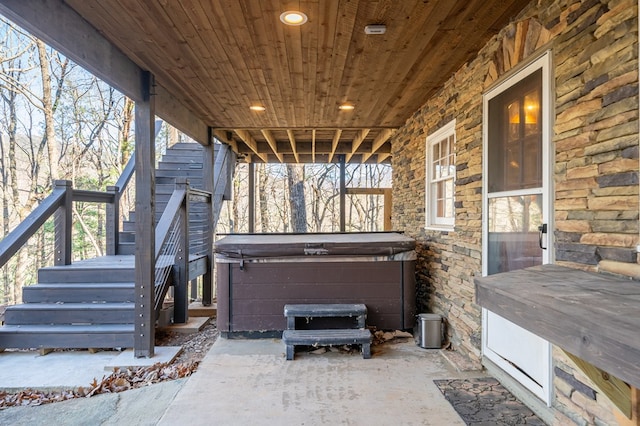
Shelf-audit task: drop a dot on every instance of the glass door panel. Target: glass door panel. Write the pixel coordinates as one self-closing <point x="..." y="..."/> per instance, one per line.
<point x="513" y="241"/>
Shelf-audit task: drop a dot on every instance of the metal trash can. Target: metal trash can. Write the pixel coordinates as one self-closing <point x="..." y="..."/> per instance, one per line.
<point x="430" y="331"/>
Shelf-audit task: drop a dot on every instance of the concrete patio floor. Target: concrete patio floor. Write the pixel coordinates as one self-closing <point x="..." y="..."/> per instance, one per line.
<point x="242" y="382"/>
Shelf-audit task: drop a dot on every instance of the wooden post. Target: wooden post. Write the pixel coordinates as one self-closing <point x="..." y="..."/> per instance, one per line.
<point x="208" y="185"/>
<point x="252" y="198"/>
<point x="144" y="329"/>
<point x="343" y="192"/>
<point x="112" y="227"/>
<point x="388" y="207"/>
<point x="181" y="263"/>
<point x="63" y="223"/>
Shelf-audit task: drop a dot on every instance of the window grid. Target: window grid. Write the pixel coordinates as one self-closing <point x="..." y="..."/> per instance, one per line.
<point x="441" y="178"/>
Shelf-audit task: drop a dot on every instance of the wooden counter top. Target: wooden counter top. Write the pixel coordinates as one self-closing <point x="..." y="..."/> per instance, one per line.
<point x="593" y="316"/>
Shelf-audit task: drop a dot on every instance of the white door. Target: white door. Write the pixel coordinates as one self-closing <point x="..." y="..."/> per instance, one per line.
<point x="516" y="210"/>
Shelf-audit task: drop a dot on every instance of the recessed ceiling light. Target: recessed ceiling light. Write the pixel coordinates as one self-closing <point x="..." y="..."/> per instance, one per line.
<point x="346" y="107"/>
<point x="257" y="108"/>
<point x="293" y="17"/>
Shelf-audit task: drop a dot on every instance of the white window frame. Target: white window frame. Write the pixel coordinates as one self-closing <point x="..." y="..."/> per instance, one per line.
<point x="432" y="220"/>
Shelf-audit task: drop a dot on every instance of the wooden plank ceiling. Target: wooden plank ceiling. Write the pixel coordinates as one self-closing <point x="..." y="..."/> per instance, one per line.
<point x="219" y="57"/>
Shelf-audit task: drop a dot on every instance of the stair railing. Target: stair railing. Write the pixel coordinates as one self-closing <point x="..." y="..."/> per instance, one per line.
<point x="223" y="170"/>
<point x="173" y="248"/>
<point x="60" y="205"/>
<point x="113" y="209"/>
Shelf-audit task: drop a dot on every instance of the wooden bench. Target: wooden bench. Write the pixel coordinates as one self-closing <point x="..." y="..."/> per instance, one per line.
<point x="292" y="337"/>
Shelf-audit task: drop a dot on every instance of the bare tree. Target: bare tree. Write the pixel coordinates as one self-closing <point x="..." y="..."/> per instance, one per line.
<point x="295" y="179"/>
<point x="263" y="194"/>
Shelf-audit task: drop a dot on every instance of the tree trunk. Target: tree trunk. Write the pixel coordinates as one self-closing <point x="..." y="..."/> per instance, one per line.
<point x="263" y="181"/>
<point x="126" y="145"/>
<point x="47" y="107"/>
<point x="295" y="179"/>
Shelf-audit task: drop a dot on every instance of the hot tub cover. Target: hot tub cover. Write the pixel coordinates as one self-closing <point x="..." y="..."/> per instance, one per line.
<point x="286" y="245"/>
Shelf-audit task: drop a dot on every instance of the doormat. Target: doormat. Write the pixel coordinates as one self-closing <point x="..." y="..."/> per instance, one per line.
<point x="484" y="401"/>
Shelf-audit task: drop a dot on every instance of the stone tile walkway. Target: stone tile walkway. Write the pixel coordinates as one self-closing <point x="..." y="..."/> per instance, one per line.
<point x="484" y="401"/>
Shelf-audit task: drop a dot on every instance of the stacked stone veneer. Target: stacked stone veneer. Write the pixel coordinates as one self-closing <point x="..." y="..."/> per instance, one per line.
<point x="594" y="47"/>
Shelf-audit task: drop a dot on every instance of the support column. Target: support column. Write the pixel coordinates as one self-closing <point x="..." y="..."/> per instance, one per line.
<point x="343" y="192"/>
<point x="144" y="329"/>
<point x="208" y="185"/>
<point x="181" y="262"/>
<point x="252" y="198"/>
<point x="63" y="223"/>
<point x="113" y="221"/>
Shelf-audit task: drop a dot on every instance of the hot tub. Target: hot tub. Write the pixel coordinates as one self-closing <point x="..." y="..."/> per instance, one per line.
<point x="258" y="274"/>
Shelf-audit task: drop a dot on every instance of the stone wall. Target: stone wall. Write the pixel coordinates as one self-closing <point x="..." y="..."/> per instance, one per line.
<point x="595" y="68"/>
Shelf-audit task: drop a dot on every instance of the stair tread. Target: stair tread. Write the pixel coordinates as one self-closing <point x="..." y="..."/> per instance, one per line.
<point x="75" y="285"/>
<point x="73" y="306"/>
<point x="68" y="328"/>
<point x="335" y="336"/>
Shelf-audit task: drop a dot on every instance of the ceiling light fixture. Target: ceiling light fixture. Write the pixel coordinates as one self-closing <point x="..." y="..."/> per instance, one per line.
<point x="257" y="108"/>
<point x="293" y="17"/>
<point x="346" y="107"/>
<point x="375" y="29"/>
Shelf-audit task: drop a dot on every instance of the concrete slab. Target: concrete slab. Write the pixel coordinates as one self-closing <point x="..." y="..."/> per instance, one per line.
<point x="54" y="371"/>
<point x="126" y="359"/>
<point x="143" y="406"/>
<point x="193" y="325"/>
<point x="64" y="370"/>
<point x="251" y="382"/>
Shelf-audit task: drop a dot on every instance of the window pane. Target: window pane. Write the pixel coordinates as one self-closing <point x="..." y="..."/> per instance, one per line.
<point x="513" y="115"/>
<point x="532" y="113"/>
<point x="445" y="158"/>
<point x="515" y="137"/>
<point x="439" y="200"/>
<point x="513" y="233"/>
<point x="435" y="158"/>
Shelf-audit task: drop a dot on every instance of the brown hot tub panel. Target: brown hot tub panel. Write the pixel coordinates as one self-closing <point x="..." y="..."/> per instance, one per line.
<point x="254" y="282"/>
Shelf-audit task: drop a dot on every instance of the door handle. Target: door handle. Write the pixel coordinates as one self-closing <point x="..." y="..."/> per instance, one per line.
<point x="542" y="229"/>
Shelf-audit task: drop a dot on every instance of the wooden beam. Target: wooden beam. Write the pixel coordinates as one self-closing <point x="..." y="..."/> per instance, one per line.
<point x="272" y="144"/>
<point x="224" y="137"/>
<point x="380" y="140"/>
<point x="334" y="144"/>
<point x="144" y="327"/>
<point x="382" y="157"/>
<point x="366" y="191"/>
<point x="357" y="141"/>
<point x="618" y="392"/>
<point x="366" y="156"/>
<point x="313" y="145"/>
<point x="63" y="29"/>
<point x="292" y="141"/>
<point x="251" y="143"/>
<point x="175" y="113"/>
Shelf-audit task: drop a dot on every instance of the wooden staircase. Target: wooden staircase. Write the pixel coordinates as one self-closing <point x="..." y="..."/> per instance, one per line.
<point x="89" y="304"/>
<point x="183" y="160"/>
